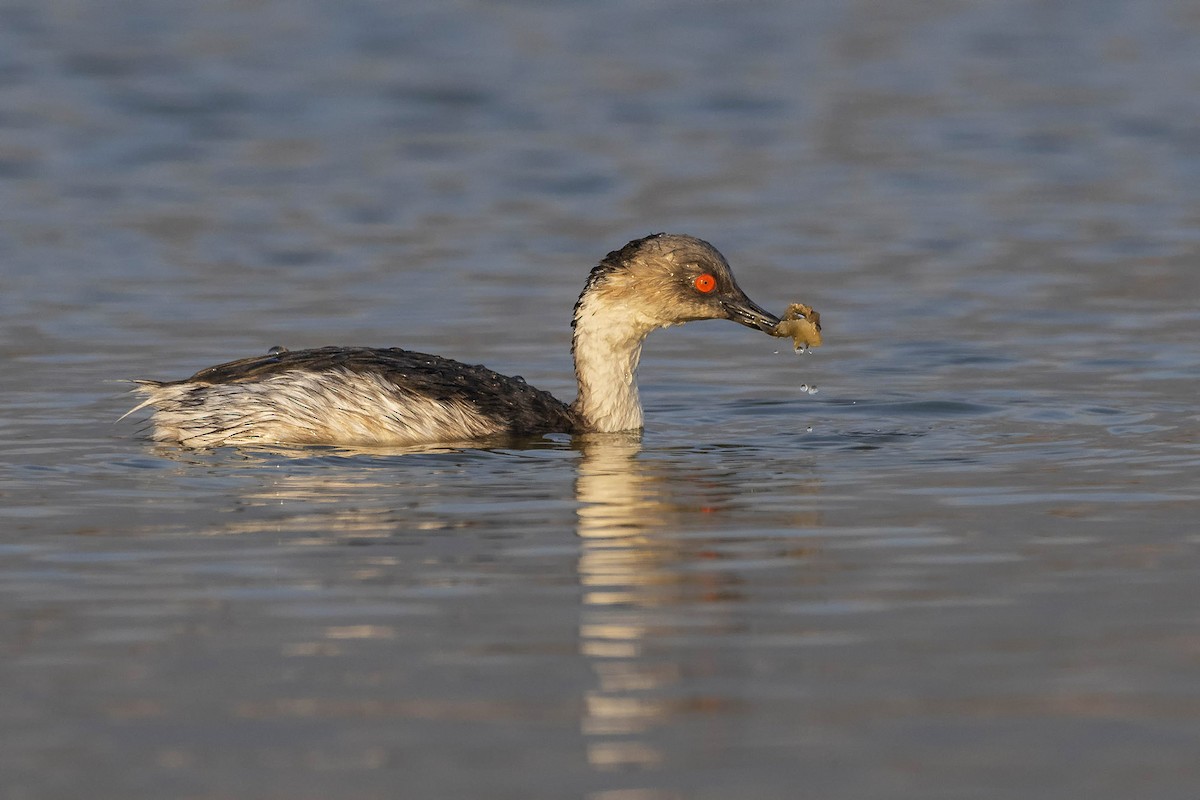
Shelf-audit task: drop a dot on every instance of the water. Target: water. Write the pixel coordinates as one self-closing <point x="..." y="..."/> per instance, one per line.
<point x="965" y="568"/>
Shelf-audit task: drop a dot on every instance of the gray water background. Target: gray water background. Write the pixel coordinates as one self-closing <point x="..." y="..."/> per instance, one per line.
<point x="965" y="568"/>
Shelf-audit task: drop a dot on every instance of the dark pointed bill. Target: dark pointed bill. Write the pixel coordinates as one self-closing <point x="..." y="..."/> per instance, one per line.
<point x="744" y="311"/>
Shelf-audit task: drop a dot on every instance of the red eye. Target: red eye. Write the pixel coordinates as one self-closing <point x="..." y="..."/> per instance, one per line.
<point x="705" y="283"/>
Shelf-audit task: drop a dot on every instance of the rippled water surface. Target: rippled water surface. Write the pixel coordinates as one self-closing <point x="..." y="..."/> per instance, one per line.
<point x="965" y="567"/>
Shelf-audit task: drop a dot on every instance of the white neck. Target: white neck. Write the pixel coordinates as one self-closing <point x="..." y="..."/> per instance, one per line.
<point x="607" y="345"/>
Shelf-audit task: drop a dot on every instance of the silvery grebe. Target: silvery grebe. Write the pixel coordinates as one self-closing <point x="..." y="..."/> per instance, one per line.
<point x="389" y="396"/>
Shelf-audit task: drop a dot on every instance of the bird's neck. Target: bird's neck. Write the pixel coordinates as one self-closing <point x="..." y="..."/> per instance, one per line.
<point x="607" y="345"/>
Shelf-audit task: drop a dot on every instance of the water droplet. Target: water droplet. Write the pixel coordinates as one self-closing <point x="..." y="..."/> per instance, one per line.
<point x="276" y="350"/>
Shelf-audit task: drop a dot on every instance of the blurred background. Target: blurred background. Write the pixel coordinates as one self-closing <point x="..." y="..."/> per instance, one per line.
<point x="964" y="568"/>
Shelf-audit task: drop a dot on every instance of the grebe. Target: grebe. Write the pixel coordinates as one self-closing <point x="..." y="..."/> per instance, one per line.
<point x="389" y="396"/>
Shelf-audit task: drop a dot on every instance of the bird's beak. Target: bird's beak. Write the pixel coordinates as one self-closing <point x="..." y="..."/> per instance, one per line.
<point x="744" y="311"/>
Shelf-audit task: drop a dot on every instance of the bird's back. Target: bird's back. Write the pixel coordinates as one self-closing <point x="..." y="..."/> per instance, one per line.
<point x="349" y="395"/>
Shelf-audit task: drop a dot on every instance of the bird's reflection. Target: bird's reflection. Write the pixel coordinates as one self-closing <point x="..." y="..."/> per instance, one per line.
<point x="660" y="563"/>
<point x="619" y="504"/>
<point x="635" y="522"/>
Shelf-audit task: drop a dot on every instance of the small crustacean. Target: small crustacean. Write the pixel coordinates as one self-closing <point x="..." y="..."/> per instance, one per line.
<point x="802" y="325"/>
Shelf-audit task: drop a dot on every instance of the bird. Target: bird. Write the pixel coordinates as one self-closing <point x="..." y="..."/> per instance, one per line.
<point x="371" y="396"/>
